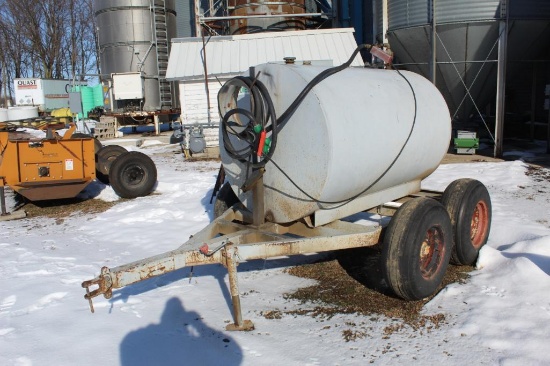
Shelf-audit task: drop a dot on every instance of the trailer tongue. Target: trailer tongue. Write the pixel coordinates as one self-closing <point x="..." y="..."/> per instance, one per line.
<point x="229" y="240"/>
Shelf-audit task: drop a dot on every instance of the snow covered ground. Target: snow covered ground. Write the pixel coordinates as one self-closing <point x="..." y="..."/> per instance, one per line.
<point x="500" y="316"/>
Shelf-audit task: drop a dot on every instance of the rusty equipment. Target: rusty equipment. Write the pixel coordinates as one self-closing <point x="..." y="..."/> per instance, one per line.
<point x="46" y="168"/>
<point x="57" y="167"/>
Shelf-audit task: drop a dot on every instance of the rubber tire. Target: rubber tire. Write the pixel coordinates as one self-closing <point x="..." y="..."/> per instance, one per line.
<point x="224" y="199"/>
<point x="469" y="206"/>
<point x="133" y="174"/>
<point x="104" y="160"/>
<point x="80" y="135"/>
<point x="402" y="248"/>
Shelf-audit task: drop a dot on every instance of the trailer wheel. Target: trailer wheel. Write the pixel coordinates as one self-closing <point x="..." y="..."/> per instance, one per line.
<point x="133" y="174"/>
<point x="416" y="248"/>
<point x="80" y="135"/>
<point x="104" y="159"/>
<point x="224" y="199"/>
<point x="469" y="206"/>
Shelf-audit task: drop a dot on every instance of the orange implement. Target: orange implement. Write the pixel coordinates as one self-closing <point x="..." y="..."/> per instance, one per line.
<point x="48" y="168"/>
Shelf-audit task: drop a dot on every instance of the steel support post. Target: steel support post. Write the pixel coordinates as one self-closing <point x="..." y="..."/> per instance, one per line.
<point x="230" y="252"/>
<point x="198" y="23"/>
<point x="258" y="208"/>
<point x="533" y="102"/>
<point x="433" y="61"/>
<point x="2" y="200"/>
<point x="156" y="122"/>
<point x="501" y="79"/>
<point x="548" y="132"/>
<point x="385" y="24"/>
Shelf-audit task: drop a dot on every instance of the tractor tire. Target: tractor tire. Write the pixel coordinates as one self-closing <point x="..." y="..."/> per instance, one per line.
<point x="133" y="174"/>
<point x="469" y="206"/>
<point x="416" y="248"/>
<point x="104" y="160"/>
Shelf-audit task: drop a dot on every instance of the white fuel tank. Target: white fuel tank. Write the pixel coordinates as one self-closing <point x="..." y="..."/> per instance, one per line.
<point x="359" y="129"/>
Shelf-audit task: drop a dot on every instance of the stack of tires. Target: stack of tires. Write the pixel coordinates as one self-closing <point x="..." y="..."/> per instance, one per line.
<point x="131" y="174"/>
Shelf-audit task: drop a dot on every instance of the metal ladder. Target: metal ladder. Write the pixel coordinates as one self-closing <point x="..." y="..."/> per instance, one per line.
<point x="162" y="43"/>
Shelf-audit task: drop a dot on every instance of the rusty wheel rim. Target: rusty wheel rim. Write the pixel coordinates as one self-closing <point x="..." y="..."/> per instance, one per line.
<point x="479" y="224"/>
<point x="134" y="175"/>
<point x="431" y="252"/>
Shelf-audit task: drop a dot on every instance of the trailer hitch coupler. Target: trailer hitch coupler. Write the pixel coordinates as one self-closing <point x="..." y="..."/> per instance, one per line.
<point x="105" y="286"/>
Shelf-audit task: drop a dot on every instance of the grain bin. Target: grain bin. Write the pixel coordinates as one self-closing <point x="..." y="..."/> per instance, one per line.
<point x="363" y="128"/>
<point x="134" y="36"/>
<point x="466" y="46"/>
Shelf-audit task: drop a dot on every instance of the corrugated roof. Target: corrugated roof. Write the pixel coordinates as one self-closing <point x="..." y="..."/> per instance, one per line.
<point x="230" y="55"/>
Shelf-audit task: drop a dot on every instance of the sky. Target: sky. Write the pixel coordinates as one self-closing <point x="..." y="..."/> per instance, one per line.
<point x="500" y="316"/>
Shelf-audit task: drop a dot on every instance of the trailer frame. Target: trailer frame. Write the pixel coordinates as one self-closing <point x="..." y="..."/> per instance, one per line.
<point x="238" y="235"/>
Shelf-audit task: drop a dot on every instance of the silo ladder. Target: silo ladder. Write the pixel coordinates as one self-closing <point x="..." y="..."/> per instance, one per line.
<point x="162" y="42"/>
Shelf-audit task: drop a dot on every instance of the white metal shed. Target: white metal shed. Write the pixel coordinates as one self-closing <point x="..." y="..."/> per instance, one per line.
<point x="229" y="56"/>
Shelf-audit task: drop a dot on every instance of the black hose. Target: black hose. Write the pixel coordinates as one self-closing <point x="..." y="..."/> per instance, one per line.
<point x="263" y="114"/>
<point x="283" y="119"/>
<point x="343" y="202"/>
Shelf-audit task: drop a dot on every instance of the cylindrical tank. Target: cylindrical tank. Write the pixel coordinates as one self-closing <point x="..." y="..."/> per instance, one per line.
<point x="262" y="7"/>
<point x="127" y="35"/>
<point x="344" y="136"/>
<point x="3" y="114"/>
<point x="23" y="112"/>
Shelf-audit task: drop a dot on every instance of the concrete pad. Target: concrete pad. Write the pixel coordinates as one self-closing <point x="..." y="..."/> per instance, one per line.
<point x="20" y="214"/>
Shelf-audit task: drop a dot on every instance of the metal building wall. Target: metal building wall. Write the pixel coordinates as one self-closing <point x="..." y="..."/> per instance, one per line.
<point x="185" y="19"/>
<point x="407" y="13"/>
<point x="529" y="9"/>
<point x="378" y="23"/>
<point x="466" y="10"/>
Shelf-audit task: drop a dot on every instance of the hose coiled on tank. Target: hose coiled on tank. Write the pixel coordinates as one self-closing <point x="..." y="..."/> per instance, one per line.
<point x="262" y="116"/>
<point x="264" y="112"/>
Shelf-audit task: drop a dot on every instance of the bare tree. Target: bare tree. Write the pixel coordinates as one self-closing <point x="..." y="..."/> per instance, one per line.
<point x="42" y="23"/>
<point x="86" y="39"/>
<point x="47" y="39"/>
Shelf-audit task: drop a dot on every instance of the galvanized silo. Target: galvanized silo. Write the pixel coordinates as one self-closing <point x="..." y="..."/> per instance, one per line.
<point x="466" y="43"/>
<point x="134" y="37"/>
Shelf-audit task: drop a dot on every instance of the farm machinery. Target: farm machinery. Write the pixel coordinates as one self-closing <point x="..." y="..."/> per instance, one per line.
<point x="306" y="147"/>
<point x="54" y="167"/>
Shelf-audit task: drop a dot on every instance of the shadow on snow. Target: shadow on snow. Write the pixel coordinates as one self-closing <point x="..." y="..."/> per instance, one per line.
<point x="180" y="338"/>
